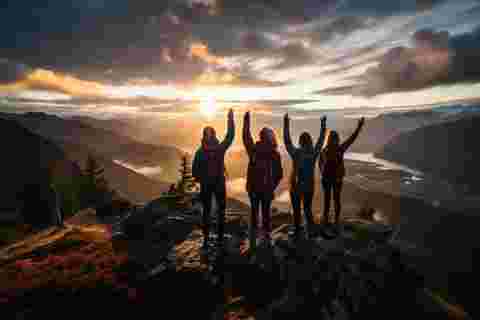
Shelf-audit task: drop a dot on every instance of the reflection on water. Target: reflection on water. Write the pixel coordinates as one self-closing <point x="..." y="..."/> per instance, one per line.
<point x="382" y="164"/>
<point x="410" y="183"/>
<point x="144" y="170"/>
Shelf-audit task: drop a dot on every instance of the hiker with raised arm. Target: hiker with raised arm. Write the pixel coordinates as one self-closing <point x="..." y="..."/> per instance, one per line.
<point x="263" y="177"/>
<point x="302" y="180"/>
<point x="332" y="167"/>
<point x="208" y="169"/>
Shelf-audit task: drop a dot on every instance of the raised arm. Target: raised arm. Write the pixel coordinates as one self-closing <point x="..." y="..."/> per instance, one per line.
<point x="321" y="138"/>
<point x="287" y="140"/>
<point x="247" y="136"/>
<point x="227" y="142"/>
<point x="354" y="135"/>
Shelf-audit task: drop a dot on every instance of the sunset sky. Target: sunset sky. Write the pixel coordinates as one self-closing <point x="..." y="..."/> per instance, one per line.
<point x="343" y="53"/>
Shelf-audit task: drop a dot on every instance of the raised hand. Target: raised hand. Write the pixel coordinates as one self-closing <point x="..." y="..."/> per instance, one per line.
<point x="323" y="121"/>
<point x="361" y="122"/>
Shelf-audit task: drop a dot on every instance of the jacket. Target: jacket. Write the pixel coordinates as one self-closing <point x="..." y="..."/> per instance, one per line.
<point x="265" y="170"/>
<point x="208" y="165"/>
<point x="303" y="173"/>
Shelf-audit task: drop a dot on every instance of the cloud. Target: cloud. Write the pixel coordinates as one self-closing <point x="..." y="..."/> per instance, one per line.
<point x="226" y="77"/>
<point x="466" y="64"/>
<point x="180" y="41"/>
<point x="386" y="8"/>
<point x="201" y="51"/>
<point x="340" y="26"/>
<point x="11" y="71"/>
<point x="301" y="10"/>
<point x="427" y="63"/>
<point x="293" y="54"/>
<point x="17" y="76"/>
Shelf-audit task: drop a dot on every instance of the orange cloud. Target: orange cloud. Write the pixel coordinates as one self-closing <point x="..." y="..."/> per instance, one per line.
<point x="49" y="80"/>
<point x="56" y="82"/>
<point x="201" y="51"/>
<point x="214" y="78"/>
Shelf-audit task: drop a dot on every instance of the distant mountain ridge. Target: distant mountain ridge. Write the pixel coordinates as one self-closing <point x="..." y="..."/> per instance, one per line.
<point x="35" y="141"/>
<point x="448" y="150"/>
<point x="104" y="143"/>
<point x="27" y="158"/>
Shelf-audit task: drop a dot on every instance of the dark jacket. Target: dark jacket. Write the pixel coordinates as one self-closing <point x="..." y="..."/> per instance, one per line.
<point x="209" y="162"/>
<point x="303" y="173"/>
<point x="331" y="161"/>
<point x="265" y="170"/>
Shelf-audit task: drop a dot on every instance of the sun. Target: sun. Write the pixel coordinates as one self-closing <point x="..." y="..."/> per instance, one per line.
<point x="208" y="106"/>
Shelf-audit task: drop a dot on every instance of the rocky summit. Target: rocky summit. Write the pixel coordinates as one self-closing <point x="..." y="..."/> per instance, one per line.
<point x="148" y="262"/>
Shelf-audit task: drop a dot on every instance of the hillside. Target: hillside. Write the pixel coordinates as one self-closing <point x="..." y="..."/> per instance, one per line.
<point x="447" y="150"/>
<point x="130" y="184"/>
<point x="122" y="270"/>
<point x="26" y="159"/>
<point x="104" y="143"/>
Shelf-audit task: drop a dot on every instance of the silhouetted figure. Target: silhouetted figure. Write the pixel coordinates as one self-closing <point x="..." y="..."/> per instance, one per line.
<point x="55" y="206"/>
<point x="332" y="167"/>
<point x="263" y="176"/>
<point x="208" y="169"/>
<point x="302" y="181"/>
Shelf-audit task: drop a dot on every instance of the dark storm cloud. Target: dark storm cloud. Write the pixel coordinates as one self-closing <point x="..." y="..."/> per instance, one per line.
<point x="435" y="59"/>
<point x="466" y="63"/>
<point x="12" y="72"/>
<point x="115" y="40"/>
<point x="294" y="10"/>
<point x="385" y="8"/>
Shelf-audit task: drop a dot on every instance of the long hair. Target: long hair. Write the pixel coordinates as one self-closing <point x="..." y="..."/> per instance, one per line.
<point x="305" y="141"/>
<point x="332" y="140"/>
<point x="267" y="136"/>
<point x="209" y="137"/>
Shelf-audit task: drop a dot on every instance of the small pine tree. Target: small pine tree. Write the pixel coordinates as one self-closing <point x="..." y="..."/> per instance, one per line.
<point x="186" y="183"/>
<point x="95" y="186"/>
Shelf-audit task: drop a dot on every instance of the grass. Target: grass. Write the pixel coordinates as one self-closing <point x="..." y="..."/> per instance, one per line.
<point x="74" y="261"/>
<point x="11" y="233"/>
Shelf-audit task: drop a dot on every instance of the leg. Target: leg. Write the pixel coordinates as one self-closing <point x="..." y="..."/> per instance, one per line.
<point x="252" y="232"/>
<point x="327" y="194"/>
<point x="337" y="191"/>
<point x="221" y="197"/>
<point x="267" y="216"/>
<point x="206" y="198"/>
<point x="295" y="200"/>
<point x="307" y="210"/>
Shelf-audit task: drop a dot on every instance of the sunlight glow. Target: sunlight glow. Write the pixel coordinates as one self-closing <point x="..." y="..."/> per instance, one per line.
<point x="208" y="107"/>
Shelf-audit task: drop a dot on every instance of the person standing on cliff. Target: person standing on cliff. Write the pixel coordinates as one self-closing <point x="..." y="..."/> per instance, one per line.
<point x="263" y="177"/>
<point x="302" y="180"/>
<point x="208" y="169"/>
<point x="332" y="167"/>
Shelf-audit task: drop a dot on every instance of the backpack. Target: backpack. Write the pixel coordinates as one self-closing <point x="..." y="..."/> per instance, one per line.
<point x="262" y="171"/>
<point x="304" y="175"/>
